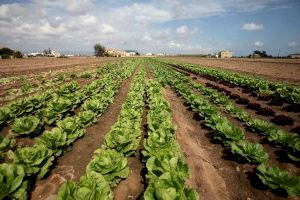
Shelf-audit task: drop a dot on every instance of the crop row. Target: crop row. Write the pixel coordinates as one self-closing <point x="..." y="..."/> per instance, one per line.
<point x="65" y="100"/>
<point x="167" y="169"/>
<point x="230" y="136"/>
<point x="262" y="86"/>
<point x="31" y="162"/>
<point x="290" y="142"/>
<point x="31" y="104"/>
<point x="109" y="163"/>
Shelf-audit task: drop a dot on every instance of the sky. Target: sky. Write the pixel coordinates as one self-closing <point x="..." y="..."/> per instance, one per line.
<point x="157" y="26"/>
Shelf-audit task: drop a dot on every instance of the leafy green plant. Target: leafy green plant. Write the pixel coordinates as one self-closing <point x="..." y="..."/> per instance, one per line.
<point x="91" y="186"/>
<point x="12" y="183"/>
<point x="60" y="104"/>
<point x="226" y="132"/>
<point x="111" y="164"/>
<point x="276" y="178"/>
<point x="169" y="186"/>
<point x="55" y="139"/>
<point x="86" y="118"/>
<point x="4" y="115"/>
<point x="167" y="162"/>
<point x="93" y="105"/>
<point x="72" y="128"/>
<point x="49" y="116"/>
<point x="252" y="152"/>
<point x="6" y="143"/>
<point x="36" y="159"/>
<point x="26" y="125"/>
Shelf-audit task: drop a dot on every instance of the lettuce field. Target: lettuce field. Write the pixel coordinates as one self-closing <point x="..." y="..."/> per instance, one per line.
<point x="149" y="128"/>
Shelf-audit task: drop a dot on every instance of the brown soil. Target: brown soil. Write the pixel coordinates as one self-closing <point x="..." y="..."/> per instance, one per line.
<point x="72" y="164"/>
<point x="212" y="175"/>
<point x="275" y="69"/>
<point x="264" y="104"/>
<point x="133" y="186"/>
<point x="11" y="67"/>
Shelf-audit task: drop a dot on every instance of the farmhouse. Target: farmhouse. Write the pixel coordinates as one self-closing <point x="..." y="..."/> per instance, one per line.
<point x="225" y="54"/>
<point x="295" y="55"/>
<point x="115" y="53"/>
<point x="131" y="53"/>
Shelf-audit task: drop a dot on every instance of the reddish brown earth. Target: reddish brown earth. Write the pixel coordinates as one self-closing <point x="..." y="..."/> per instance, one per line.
<point x="238" y="91"/>
<point x="72" y="164"/>
<point x="9" y="67"/>
<point x="275" y="69"/>
<point x="213" y="175"/>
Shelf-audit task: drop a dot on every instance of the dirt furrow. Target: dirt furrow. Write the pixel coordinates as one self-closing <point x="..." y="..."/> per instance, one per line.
<point x="252" y="100"/>
<point x="213" y="175"/>
<point x="71" y="166"/>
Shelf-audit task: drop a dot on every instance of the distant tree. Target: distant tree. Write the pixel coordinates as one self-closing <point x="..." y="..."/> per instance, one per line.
<point x="6" y="51"/>
<point x="263" y="54"/>
<point x="99" y="50"/>
<point x="18" y="54"/>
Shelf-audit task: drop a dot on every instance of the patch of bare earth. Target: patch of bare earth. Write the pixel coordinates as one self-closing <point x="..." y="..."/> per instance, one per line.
<point x="12" y="67"/>
<point x="275" y="69"/>
<point x="71" y="166"/>
<point x="212" y="175"/>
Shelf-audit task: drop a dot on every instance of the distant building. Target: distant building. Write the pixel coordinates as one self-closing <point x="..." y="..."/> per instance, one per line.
<point x="255" y="55"/>
<point x="55" y="53"/>
<point x="149" y="54"/>
<point x="35" y="54"/>
<point x="115" y="53"/>
<point x="295" y="55"/>
<point x="131" y="53"/>
<point x="225" y="54"/>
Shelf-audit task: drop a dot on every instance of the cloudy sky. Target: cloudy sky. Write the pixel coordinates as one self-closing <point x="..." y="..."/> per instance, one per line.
<point x="169" y="26"/>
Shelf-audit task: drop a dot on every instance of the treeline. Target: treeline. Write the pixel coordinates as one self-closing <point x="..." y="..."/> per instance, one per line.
<point x="7" y="53"/>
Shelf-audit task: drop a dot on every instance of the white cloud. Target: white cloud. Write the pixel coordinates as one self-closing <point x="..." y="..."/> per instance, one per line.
<point x="252" y="26"/>
<point x="184" y="46"/>
<point x="185" y="31"/>
<point x="107" y="29"/>
<point x="74" y="24"/>
<point x="292" y="44"/>
<point x="258" y="44"/>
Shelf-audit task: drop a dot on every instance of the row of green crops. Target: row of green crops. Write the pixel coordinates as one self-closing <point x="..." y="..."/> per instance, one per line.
<point x="167" y="168"/>
<point x="59" y="107"/>
<point x="109" y="163"/>
<point x="278" y="90"/>
<point x="40" y="83"/>
<point x="229" y="135"/>
<point x="31" y="162"/>
<point x="34" y="103"/>
<point x="290" y="142"/>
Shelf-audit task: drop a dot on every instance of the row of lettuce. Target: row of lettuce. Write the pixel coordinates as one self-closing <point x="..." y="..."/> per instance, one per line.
<point x="45" y="81"/>
<point x="284" y="91"/>
<point x="28" y="163"/>
<point x="167" y="169"/>
<point x="27" y="116"/>
<point x="41" y="103"/>
<point x="228" y="134"/>
<point x="289" y="142"/>
<point x="109" y="163"/>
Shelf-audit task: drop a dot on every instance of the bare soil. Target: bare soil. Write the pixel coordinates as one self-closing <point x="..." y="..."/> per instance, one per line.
<point x="274" y="69"/>
<point x="239" y="91"/>
<point x="212" y="174"/>
<point x="9" y="67"/>
<point x="71" y="166"/>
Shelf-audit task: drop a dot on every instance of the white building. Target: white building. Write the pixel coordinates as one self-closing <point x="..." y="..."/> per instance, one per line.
<point x="225" y="54"/>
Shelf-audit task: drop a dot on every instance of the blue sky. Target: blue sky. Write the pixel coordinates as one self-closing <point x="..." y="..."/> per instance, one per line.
<point x="158" y="26"/>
